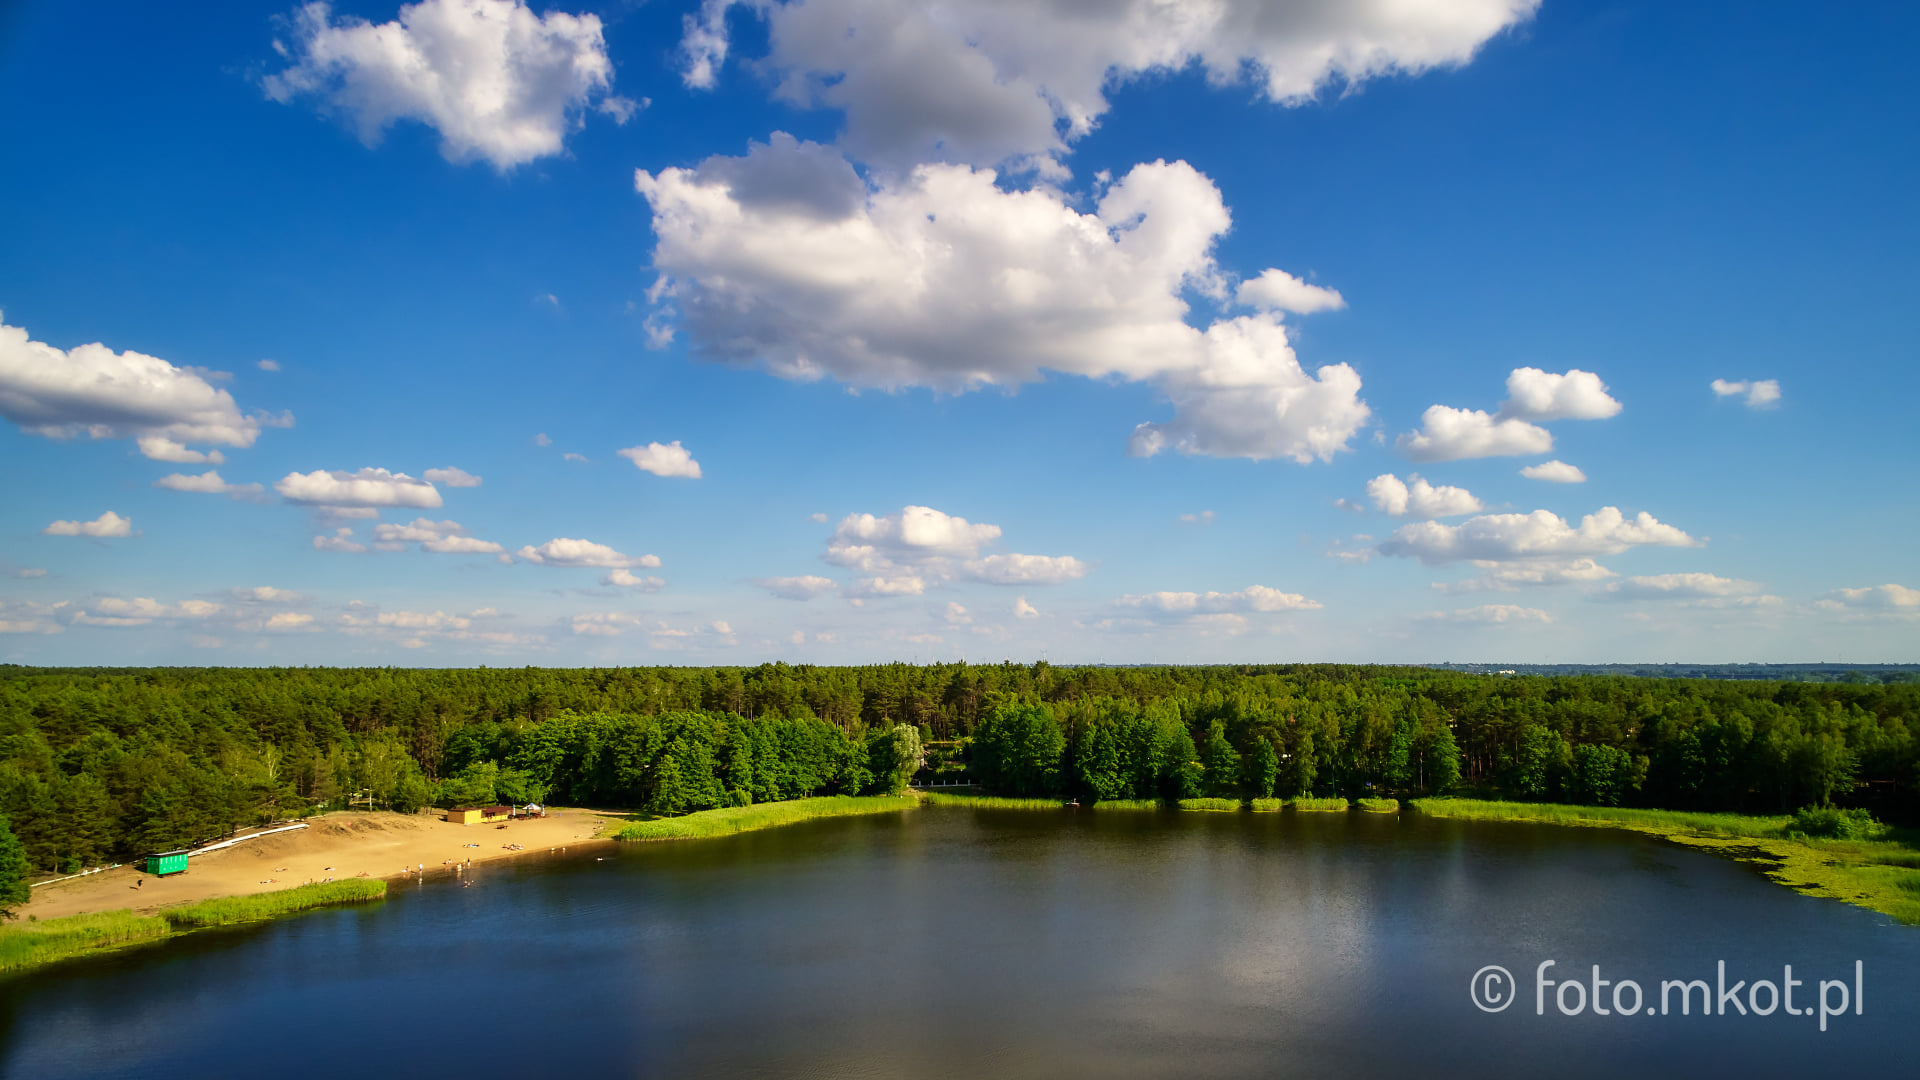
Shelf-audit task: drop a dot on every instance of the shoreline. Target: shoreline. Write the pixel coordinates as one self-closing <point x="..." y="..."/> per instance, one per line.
<point x="1879" y="875"/>
<point x="341" y="845"/>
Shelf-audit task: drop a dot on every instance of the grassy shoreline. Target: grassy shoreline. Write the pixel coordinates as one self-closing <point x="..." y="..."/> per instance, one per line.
<point x="1881" y="875"/>
<point x="30" y="945"/>
<point x="727" y="821"/>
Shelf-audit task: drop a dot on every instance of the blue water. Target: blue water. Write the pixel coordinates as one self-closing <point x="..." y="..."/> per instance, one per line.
<point x="951" y="941"/>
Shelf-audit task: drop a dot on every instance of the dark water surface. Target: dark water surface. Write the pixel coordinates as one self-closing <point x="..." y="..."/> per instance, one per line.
<point x="957" y="942"/>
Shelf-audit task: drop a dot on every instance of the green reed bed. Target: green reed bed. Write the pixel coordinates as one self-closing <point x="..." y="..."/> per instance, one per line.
<point x="229" y="910"/>
<point x="1379" y="806"/>
<point x="1607" y="816"/>
<point x="1208" y="804"/>
<point x="1316" y="805"/>
<point x="1003" y="802"/>
<point x="1880" y="871"/>
<point x="729" y="820"/>
<point x="1266" y="806"/>
<point x="25" y="945"/>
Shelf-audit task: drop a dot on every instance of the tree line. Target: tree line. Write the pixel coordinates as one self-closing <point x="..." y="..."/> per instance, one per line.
<point x="102" y="764"/>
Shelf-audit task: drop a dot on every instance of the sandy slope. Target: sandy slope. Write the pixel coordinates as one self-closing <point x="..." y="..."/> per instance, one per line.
<point x="337" y="845"/>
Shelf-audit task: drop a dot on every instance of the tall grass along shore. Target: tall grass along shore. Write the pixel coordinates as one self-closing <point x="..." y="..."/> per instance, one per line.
<point x="738" y="819"/>
<point x="228" y="910"/>
<point x="28" y="945"/>
<point x="1878" y="870"/>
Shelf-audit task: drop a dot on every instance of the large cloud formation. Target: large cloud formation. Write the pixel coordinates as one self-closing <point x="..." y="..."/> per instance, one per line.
<point x="497" y="82"/>
<point x="990" y="81"/>
<point x="789" y="259"/>
<point x="92" y="390"/>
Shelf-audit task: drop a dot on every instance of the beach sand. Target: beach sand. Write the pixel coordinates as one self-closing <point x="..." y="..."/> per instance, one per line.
<point x="337" y="845"/>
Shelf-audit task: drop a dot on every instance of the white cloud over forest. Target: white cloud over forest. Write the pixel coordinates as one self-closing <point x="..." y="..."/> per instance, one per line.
<point x="788" y="259"/>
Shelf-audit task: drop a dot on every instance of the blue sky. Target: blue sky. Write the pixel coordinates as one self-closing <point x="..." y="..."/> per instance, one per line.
<point x="1002" y="331"/>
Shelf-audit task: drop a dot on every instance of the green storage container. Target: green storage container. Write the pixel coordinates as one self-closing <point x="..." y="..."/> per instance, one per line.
<point x="167" y="862"/>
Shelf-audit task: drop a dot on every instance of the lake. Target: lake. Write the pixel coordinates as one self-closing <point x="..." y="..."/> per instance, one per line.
<point x="959" y="942"/>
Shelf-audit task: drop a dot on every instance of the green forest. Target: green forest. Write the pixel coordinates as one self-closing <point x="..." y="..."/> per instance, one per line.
<point x="99" y="765"/>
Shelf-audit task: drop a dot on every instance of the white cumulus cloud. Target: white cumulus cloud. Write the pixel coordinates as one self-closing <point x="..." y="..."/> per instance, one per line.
<point x="663" y="459"/>
<point x="1277" y="290"/>
<point x="497" y="81"/>
<point x="1693" y="586"/>
<point x="92" y="390"/>
<point x="161" y="448"/>
<point x="1250" y="600"/>
<point x="1555" y="472"/>
<point x="1885" y="599"/>
<point x="805" y="587"/>
<point x="789" y="259"/>
<point x="1450" y="434"/>
<point x="440" y="537"/>
<point x="1024" y="610"/>
<point x="1415" y="497"/>
<point x="1024" y="569"/>
<point x="1760" y="393"/>
<point x="1489" y="615"/>
<point x="451" y="477"/>
<point x="208" y="483"/>
<point x="985" y="81"/>
<point x="341" y="540"/>
<point x="107" y="524"/>
<point x="565" y="552"/>
<point x="904" y="585"/>
<point x="1539" y="535"/>
<point x="1533" y="394"/>
<point x="369" y="487"/>
<point x="627" y="579"/>
<point x="1530" y="574"/>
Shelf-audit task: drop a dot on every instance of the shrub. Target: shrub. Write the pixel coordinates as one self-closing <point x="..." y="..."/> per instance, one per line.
<point x="1831" y="823"/>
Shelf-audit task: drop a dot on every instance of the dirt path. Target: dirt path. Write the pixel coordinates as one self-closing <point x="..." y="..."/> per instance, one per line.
<point x="337" y="845"/>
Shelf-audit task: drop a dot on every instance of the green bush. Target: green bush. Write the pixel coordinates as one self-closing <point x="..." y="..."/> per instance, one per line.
<point x="1830" y="823"/>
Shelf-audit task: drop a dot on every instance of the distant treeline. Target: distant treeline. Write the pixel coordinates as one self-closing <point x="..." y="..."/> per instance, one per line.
<point x="102" y="764"/>
<point x="1859" y="674"/>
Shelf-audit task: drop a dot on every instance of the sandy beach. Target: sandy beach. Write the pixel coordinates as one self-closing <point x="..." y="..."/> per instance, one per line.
<point x="337" y="845"/>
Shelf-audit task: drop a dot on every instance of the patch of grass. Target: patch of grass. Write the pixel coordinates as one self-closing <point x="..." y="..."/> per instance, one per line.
<point x="1607" y="817"/>
<point x="1312" y="805"/>
<point x="1380" y="806"/>
<point x="228" y="910"/>
<point x="1876" y="874"/>
<point x="1003" y="802"/>
<point x="729" y="820"/>
<point x="25" y="945"/>
<point x="1267" y="806"/>
<point x="1209" y="804"/>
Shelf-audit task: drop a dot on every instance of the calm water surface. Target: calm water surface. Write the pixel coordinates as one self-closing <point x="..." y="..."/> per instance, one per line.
<point x="956" y="942"/>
